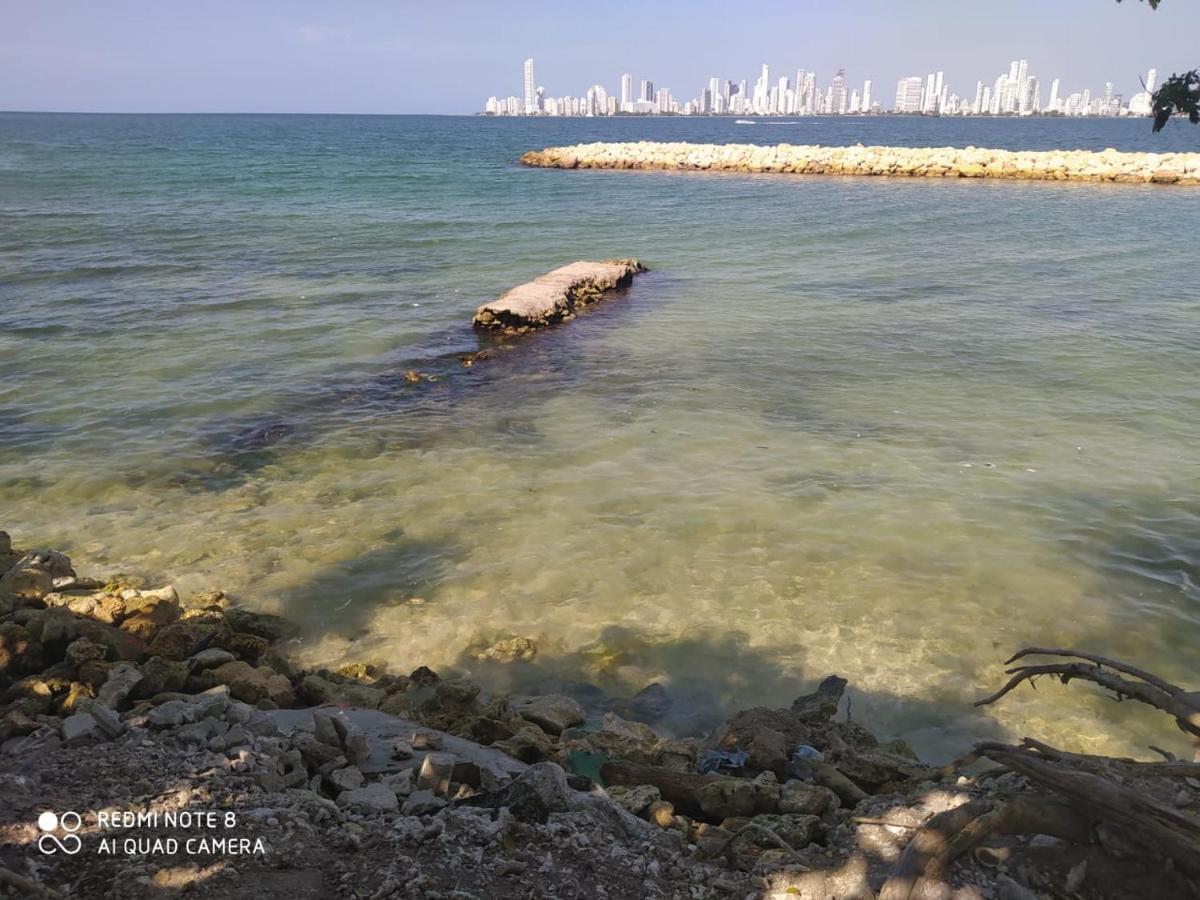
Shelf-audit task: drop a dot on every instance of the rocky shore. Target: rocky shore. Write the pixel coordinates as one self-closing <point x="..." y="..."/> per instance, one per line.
<point x="198" y="757"/>
<point x="928" y="162"/>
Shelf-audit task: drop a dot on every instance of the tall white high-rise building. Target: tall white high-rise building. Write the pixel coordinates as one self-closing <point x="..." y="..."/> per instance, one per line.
<point x="1029" y="96"/>
<point x="1011" y="86"/>
<point x="597" y="101"/>
<point x="806" y="93"/>
<point x="837" y="94"/>
<point x="866" y="96"/>
<point x="927" y="96"/>
<point x="977" y="106"/>
<point x="909" y="95"/>
<point x="762" y="91"/>
<point x="530" y="89"/>
<point x="626" y="92"/>
<point x="1000" y="94"/>
<point x="1052" y="106"/>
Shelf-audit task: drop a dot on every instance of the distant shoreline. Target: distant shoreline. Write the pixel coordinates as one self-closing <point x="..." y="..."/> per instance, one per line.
<point x="857" y="117"/>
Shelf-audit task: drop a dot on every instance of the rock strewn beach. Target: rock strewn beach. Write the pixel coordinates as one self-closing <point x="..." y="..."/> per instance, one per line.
<point x="929" y="162"/>
<point x="137" y="710"/>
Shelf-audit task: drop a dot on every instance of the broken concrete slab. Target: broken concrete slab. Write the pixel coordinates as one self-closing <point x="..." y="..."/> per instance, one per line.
<point x="555" y="296"/>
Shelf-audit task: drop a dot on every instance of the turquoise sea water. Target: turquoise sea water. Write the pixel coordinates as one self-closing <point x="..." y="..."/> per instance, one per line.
<point x="892" y="429"/>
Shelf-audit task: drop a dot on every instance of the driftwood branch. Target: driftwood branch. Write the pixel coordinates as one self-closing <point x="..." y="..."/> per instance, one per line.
<point x="751" y="828"/>
<point x="1115" y="664"/>
<point x="1142" y="686"/>
<point x="1160" y="829"/>
<point x="1170" y="768"/>
<point x="1100" y="765"/>
<point x="1096" y="801"/>
<point x="950" y="834"/>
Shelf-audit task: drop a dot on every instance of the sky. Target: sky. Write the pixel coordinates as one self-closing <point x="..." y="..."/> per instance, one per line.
<point x="369" y="56"/>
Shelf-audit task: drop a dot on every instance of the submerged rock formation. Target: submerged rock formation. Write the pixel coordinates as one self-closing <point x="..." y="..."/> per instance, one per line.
<point x="555" y="296"/>
<point x="931" y="162"/>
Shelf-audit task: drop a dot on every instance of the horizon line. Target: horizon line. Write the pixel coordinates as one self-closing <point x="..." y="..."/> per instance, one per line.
<point x="616" y="117"/>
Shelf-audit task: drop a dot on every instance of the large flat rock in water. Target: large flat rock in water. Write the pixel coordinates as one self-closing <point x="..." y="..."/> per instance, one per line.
<point x="555" y="296"/>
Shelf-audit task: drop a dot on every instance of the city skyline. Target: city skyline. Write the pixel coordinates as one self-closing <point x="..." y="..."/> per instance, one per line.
<point x="306" y="56"/>
<point x="1014" y="92"/>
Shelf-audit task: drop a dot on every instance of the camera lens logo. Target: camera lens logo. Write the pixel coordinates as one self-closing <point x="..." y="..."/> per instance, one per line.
<point x="70" y="822"/>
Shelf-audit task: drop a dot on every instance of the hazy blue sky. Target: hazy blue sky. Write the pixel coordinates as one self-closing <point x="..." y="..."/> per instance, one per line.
<point x="448" y="56"/>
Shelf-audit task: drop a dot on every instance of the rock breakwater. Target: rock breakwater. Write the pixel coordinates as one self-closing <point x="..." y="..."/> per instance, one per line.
<point x="929" y="162"/>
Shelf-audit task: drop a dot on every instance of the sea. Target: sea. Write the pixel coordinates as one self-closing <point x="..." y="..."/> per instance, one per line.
<point x="890" y="429"/>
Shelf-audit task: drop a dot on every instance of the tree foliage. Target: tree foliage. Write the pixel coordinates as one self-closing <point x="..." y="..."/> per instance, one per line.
<point x="1179" y="95"/>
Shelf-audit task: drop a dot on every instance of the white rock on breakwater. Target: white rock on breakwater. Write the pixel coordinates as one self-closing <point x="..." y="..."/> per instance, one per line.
<point x="555" y="296"/>
<point x="931" y="162"/>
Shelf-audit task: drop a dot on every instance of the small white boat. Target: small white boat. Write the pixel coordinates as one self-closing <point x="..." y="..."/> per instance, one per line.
<point x="744" y="122"/>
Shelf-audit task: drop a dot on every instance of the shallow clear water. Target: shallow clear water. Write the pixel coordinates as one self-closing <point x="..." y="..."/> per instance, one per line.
<point x="893" y="429"/>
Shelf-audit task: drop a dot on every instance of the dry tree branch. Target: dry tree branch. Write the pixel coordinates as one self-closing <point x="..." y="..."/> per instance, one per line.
<point x="1086" y="792"/>
<point x="1171" y="768"/>
<point x="1145" y="822"/>
<point x="950" y="834"/>
<point x="1115" y="664"/>
<point x="745" y="831"/>
<point x="1182" y="705"/>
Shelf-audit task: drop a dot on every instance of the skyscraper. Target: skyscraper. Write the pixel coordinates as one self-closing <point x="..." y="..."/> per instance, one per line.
<point x="837" y="94"/>
<point x="1029" y="96"/>
<point x="908" y="95"/>
<point x="762" y="90"/>
<point x="999" y="96"/>
<point x="530" y="89"/>
<point x="597" y="101"/>
<point x="626" y="92"/>
<point x="866" y="96"/>
<point x="1052" y="106"/>
<point x="718" y="101"/>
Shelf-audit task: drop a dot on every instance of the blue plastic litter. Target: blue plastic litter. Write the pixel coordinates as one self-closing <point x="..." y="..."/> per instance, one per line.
<point x="716" y="760"/>
<point x="805" y="753"/>
<point x="802" y="759"/>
